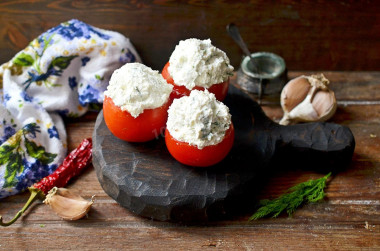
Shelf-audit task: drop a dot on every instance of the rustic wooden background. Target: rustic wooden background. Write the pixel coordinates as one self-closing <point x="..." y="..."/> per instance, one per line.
<point x="323" y="35"/>
<point x="309" y="35"/>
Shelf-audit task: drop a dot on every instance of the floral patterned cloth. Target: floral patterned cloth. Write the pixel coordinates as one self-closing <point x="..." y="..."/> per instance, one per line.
<point x="63" y="72"/>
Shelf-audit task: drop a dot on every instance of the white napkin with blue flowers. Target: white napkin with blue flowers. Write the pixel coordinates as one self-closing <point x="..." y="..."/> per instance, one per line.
<point x="63" y="72"/>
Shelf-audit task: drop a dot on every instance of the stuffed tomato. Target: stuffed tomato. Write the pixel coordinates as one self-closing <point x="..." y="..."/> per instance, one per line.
<point x="198" y="65"/>
<point x="136" y="103"/>
<point x="199" y="129"/>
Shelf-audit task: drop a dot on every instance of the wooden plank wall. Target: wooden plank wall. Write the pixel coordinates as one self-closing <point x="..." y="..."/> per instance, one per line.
<point x="310" y="35"/>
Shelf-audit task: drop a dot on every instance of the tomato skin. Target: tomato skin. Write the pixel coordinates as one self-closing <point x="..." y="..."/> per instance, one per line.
<point x="147" y="126"/>
<point x="207" y="156"/>
<point x="220" y="90"/>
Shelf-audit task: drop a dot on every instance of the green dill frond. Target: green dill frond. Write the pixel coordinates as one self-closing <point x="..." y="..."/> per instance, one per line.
<point x="306" y="192"/>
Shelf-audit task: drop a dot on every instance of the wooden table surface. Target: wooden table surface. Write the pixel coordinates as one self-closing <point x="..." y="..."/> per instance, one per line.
<point x="348" y="219"/>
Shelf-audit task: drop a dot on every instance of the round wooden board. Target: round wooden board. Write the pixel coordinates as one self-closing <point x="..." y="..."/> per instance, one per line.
<point x="144" y="177"/>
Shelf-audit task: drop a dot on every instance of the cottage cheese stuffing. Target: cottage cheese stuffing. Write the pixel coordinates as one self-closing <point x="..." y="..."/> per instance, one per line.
<point x="135" y="87"/>
<point x="197" y="62"/>
<point x="199" y="119"/>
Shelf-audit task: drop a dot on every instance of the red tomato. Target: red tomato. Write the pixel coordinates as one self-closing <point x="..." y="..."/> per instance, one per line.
<point x="220" y="90"/>
<point x="207" y="156"/>
<point x="147" y="126"/>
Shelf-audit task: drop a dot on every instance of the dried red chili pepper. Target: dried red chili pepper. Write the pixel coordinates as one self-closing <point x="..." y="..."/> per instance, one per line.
<point x="72" y="166"/>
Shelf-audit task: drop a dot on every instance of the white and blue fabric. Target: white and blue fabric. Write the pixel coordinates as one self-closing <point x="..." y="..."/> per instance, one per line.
<point x="63" y="72"/>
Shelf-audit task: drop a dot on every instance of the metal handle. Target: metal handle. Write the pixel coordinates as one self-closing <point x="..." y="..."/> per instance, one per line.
<point x="233" y="31"/>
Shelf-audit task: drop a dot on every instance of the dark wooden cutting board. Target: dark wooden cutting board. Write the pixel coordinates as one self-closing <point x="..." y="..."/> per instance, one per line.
<point x="144" y="178"/>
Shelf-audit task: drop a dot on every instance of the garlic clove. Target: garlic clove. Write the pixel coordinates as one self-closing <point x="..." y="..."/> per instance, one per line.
<point x="294" y="93"/>
<point x="307" y="99"/>
<point x="324" y="104"/>
<point x="304" y="111"/>
<point x="67" y="204"/>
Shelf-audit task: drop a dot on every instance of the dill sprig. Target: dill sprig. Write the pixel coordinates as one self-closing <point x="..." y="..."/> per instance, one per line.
<point x="306" y="192"/>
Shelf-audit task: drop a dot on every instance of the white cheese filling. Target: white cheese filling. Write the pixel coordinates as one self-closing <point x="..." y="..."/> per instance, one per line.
<point x="197" y="62"/>
<point x="135" y="87"/>
<point x="199" y="119"/>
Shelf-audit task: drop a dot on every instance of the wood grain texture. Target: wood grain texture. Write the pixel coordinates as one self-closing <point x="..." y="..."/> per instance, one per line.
<point x="309" y="35"/>
<point x="348" y="219"/>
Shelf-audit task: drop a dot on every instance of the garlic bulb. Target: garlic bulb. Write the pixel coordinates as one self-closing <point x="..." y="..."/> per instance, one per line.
<point x="307" y="99"/>
<point x="67" y="204"/>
